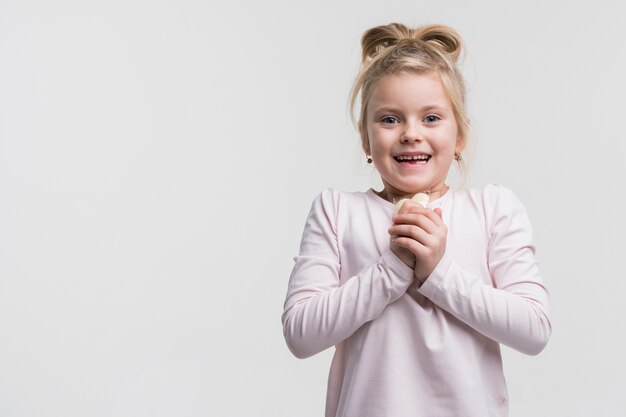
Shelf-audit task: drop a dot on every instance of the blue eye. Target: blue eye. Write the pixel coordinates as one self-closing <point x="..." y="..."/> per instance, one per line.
<point x="389" y="120"/>
<point x="431" y="118"/>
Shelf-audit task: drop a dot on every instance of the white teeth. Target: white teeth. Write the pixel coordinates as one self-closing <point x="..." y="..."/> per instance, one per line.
<point x="412" y="158"/>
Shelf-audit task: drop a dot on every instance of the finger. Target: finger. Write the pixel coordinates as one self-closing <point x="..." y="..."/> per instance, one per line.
<point x="409" y="244"/>
<point x="412" y="232"/>
<point x="426" y="219"/>
<point x="418" y="209"/>
<point x="433" y="216"/>
<point x="416" y="220"/>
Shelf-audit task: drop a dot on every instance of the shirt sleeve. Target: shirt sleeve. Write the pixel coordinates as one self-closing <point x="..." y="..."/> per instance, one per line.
<point x="318" y="311"/>
<point x="514" y="309"/>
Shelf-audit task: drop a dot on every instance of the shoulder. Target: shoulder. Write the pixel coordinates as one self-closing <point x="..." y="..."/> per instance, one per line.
<point x="335" y="200"/>
<point x="494" y="202"/>
<point x="500" y="200"/>
<point x="493" y="195"/>
<point x="491" y="192"/>
<point x="498" y="193"/>
<point x="504" y="211"/>
<point x="342" y="208"/>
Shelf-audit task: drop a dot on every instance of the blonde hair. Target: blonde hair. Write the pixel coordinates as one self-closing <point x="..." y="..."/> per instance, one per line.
<point x="395" y="48"/>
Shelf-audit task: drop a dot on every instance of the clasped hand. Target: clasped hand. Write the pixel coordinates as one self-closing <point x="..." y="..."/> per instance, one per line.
<point x="418" y="238"/>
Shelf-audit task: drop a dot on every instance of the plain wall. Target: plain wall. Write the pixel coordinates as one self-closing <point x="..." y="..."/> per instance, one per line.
<point x="158" y="160"/>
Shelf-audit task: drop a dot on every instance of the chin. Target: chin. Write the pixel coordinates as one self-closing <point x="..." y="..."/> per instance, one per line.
<point x="417" y="187"/>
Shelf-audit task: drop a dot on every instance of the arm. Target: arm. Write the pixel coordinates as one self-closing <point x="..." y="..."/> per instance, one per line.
<point x="318" y="312"/>
<point x="512" y="311"/>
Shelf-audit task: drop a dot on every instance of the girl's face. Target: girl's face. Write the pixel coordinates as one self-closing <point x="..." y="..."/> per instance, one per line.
<point x="412" y="133"/>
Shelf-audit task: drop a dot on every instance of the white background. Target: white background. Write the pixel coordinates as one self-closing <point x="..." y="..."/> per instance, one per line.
<point x="158" y="160"/>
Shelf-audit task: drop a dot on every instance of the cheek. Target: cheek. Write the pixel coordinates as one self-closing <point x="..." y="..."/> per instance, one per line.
<point x="447" y="141"/>
<point x="380" y="136"/>
<point x="379" y="145"/>
<point x="373" y="140"/>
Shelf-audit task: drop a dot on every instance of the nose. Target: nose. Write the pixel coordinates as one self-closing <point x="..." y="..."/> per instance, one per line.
<point x="412" y="132"/>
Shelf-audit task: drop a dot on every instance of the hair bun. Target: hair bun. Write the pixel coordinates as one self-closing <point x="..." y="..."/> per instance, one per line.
<point x="442" y="37"/>
<point x="376" y="39"/>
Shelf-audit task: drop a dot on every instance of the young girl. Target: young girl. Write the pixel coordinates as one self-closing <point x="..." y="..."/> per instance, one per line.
<point x="415" y="301"/>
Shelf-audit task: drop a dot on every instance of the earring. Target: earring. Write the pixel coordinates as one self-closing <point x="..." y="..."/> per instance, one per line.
<point x="457" y="157"/>
<point x="369" y="159"/>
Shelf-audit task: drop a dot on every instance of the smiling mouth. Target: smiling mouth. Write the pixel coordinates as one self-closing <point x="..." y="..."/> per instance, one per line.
<point x="412" y="159"/>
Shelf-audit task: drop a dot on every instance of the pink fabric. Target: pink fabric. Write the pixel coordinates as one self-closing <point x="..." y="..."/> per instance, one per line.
<point x="408" y="351"/>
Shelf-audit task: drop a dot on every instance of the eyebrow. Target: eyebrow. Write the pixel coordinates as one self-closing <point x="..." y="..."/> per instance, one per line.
<point x="384" y="109"/>
<point x="428" y="108"/>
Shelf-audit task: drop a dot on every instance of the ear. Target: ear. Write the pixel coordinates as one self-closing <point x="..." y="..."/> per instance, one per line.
<point x="461" y="140"/>
<point x="365" y="143"/>
<point x="460" y="143"/>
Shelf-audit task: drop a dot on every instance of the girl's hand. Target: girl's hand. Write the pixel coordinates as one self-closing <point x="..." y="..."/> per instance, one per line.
<point x="419" y="232"/>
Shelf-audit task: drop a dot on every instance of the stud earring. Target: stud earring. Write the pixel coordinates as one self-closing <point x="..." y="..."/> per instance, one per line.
<point x="369" y="159"/>
<point x="457" y="157"/>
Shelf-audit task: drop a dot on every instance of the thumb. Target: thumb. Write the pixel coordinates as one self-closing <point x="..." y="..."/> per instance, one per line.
<point x="438" y="211"/>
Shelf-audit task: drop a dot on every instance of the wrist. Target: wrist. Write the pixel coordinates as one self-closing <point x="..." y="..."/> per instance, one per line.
<point x="405" y="256"/>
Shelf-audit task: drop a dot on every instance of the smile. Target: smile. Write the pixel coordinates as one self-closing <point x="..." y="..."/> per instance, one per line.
<point x="412" y="159"/>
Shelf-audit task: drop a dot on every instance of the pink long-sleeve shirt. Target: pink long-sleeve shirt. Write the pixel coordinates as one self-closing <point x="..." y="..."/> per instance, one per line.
<point x="407" y="350"/>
